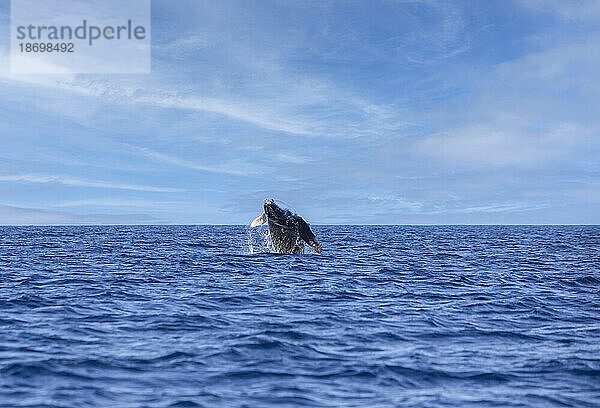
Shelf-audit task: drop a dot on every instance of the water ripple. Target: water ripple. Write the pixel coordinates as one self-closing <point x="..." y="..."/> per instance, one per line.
<point x="185" y="316"/>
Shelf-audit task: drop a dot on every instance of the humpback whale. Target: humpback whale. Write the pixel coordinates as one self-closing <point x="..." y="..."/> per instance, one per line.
<point x="288" y="231"/>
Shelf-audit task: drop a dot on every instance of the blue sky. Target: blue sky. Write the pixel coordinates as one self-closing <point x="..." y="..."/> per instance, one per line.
<point x="353" y="112"/>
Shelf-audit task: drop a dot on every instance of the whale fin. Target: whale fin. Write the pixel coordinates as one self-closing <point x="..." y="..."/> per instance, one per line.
<point x="260" y="220"/>
<point x="307" y="235"/>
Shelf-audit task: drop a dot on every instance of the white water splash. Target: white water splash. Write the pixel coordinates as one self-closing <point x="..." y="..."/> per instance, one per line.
<point x="259" y="240"/>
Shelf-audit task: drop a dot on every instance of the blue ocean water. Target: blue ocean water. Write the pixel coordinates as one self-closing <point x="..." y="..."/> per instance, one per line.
<point x="411" y="316"/>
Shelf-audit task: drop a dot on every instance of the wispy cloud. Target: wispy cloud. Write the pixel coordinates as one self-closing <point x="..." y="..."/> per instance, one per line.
<point x="263" y="114"/>
<point x="123" y="203"/>
<point x="502" y="208"/>
<point x="439" y="33"/>
<point x="397" y="203"/>
<point x="505" y="142"/>
<point x="68" y="181"/>
<point x="579" y="10"/>
<point x="568" y="66"/>
<point x="238" y="168"/>
<point x="10" y="215"/>
<point x="301" y="105"/>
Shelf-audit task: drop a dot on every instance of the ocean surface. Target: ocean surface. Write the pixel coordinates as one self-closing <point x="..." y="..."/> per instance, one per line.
<point x="386" y="316"/>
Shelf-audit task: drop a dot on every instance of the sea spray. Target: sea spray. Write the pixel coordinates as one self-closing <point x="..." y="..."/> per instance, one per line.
<point x="259" y="240"/>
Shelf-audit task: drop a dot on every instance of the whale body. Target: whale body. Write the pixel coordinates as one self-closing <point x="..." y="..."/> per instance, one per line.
<point x="288" y="231"/>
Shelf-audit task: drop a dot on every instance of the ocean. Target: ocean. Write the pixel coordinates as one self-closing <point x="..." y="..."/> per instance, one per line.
<point x="386" y="316"/>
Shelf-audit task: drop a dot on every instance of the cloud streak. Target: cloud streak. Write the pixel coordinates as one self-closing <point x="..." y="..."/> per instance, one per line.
<point x="237" y="168"/>
<point x="581" y="10"/>
<point x="68" y="181"/>
<point x="10" y="215"/>
<point x="123" y="203"/>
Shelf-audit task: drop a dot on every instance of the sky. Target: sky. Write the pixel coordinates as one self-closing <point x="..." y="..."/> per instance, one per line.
<point x="352" y="112"/>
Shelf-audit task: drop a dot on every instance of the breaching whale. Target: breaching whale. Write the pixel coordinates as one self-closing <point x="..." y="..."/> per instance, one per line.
<point x="288" y="231"/>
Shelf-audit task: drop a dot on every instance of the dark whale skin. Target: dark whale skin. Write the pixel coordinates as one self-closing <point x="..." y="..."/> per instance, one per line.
<point x="289" y="231"/>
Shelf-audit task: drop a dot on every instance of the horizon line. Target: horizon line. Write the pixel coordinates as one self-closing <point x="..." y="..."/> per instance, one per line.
<point x="315" y="224"/>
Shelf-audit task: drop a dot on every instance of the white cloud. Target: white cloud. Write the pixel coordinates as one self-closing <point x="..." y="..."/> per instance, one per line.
<point x="186" y="43"/>
<point x="396" y="203"/>
<point x="258" y="114"/>
<point x="237" y="168"/>
<point x="261" y="114"/>
<point x="10" y="215"/>
<point x="68" y="181"/>
<point x="507" y="142"/>
<point x="272" y="97"/>
<point x="577" y="10"/>
<point x="572" y="66"/>
<point x="502" y="207"/>
<point x="122" y="203"/>
<point x="292" y="158"/>
<point x="439" y="33"/>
